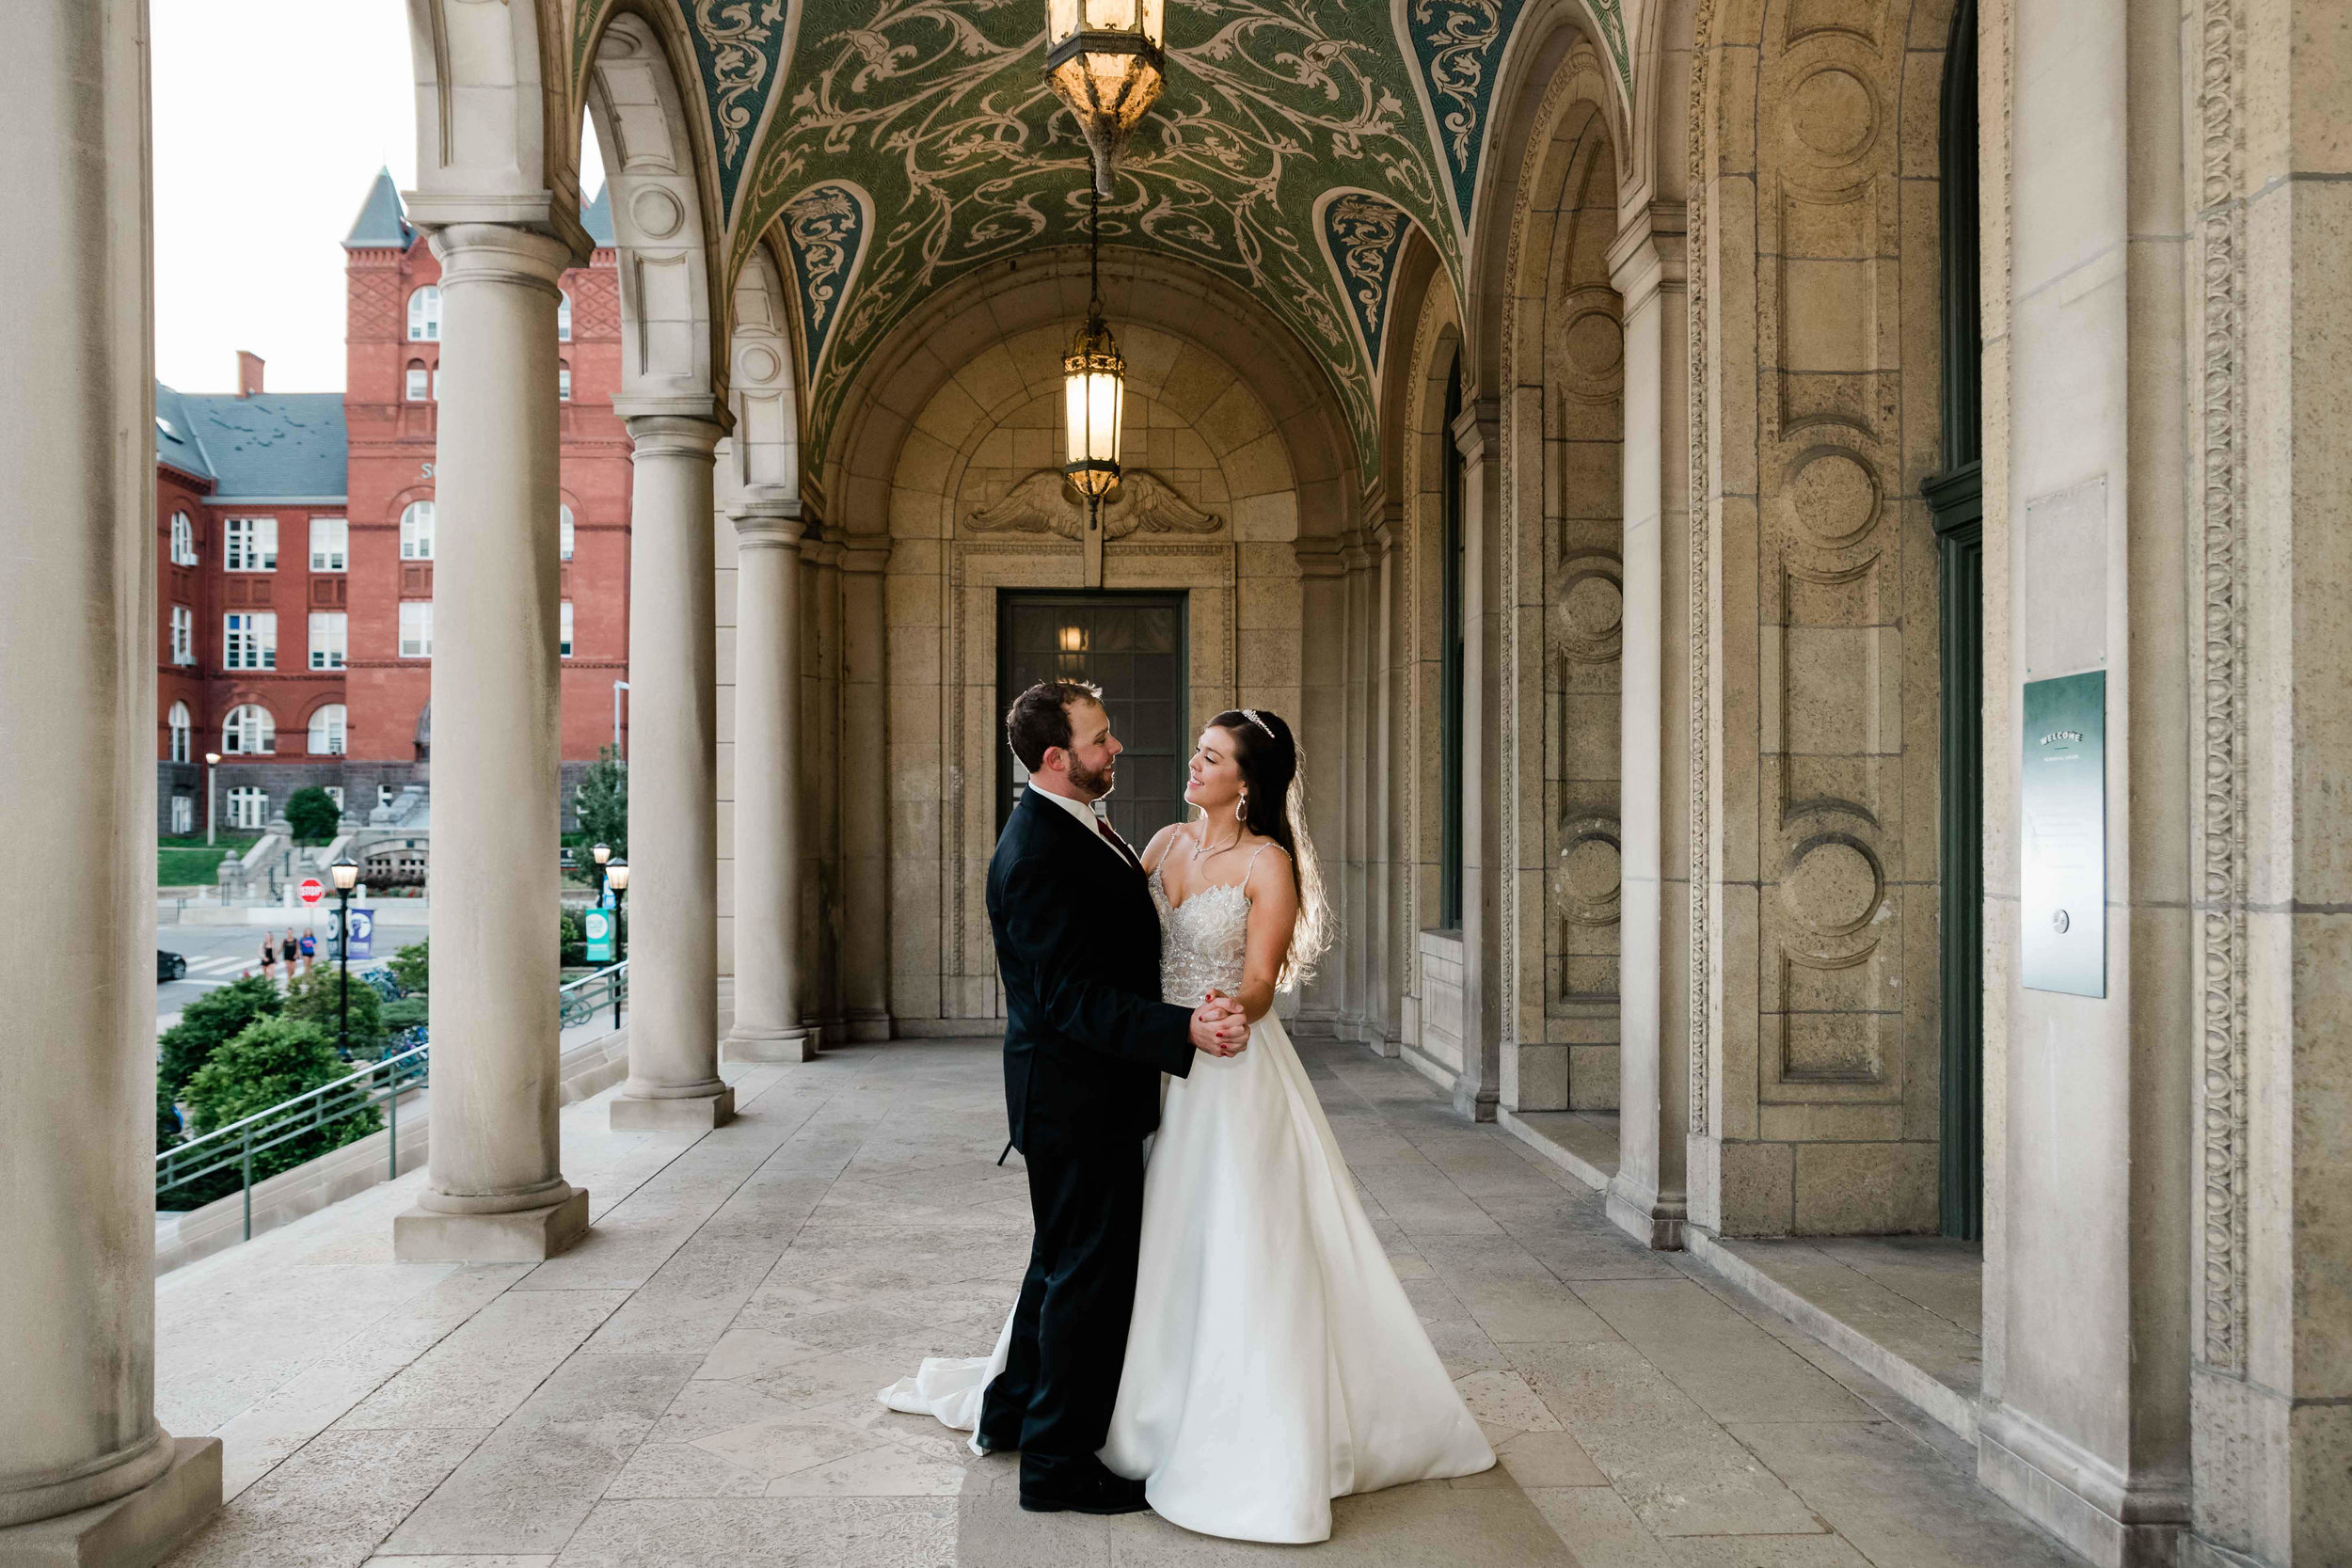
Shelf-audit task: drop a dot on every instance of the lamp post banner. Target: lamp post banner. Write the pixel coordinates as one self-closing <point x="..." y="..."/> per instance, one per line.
<point x="362" y="934"/>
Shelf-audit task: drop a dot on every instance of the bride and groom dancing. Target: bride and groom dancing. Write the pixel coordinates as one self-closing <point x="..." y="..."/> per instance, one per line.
<point x="1215" y="1334"/>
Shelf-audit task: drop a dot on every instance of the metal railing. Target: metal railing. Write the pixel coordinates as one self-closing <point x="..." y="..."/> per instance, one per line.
<point x="234" y="1147"/>
<point x="583" y="999"/>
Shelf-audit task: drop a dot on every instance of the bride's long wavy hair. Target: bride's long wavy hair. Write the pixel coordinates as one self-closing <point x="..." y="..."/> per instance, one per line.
<point x="1275" y="806"/>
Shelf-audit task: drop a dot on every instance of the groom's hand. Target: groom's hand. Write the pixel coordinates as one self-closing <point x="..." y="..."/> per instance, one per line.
<point x="1219" y="1026"/>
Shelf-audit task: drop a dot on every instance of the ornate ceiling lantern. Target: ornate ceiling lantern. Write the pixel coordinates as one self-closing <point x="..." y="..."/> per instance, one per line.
<point x="1106" y="60"/>
<point x="1094" y="402"/>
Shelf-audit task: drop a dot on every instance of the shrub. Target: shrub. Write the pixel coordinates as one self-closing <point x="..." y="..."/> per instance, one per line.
<point x="409" y="1012"/>
<point x="410" y="967"/>
<point x="602" y="805"/>
<point x="208" y="1023"/>
<point x="313" y="815"/>
<point x="571" y="937"/>
<point x="270" y="1062"/>
<point x="317" y="998"/>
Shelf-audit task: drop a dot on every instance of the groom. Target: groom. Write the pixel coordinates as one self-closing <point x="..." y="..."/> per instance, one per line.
<point x="1086" y="1041"/>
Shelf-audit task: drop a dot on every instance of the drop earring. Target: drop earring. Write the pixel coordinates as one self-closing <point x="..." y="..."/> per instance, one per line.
<point x="1241" y="807"/>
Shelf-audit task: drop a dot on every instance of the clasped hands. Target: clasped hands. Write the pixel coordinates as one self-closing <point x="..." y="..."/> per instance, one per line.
<point x="1219" y="1026"/>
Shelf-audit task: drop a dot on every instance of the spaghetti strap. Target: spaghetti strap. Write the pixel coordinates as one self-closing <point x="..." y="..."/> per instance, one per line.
<point x="1261" y="848"/>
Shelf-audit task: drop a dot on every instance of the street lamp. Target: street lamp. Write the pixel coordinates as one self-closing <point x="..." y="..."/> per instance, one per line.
<point x="211" y="760"/>
<point x="346" y="874"/>
<point x="617" y="874"/>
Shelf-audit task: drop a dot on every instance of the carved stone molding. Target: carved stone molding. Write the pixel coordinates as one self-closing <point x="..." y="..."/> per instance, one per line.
<point x="1045" y="504"/>
<point x="1700" y="257"/>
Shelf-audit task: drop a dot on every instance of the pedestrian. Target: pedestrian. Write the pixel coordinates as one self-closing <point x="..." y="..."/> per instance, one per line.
<point x="269" y="957"/>
<point x="287" y="951"/>
<point x="310" y="952"/>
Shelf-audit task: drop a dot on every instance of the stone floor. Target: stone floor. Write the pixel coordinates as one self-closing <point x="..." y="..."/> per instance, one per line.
<point x="693" y="1385"/>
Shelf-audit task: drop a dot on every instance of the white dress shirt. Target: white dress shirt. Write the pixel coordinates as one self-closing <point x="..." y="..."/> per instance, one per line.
<point x="1084" y="812"/>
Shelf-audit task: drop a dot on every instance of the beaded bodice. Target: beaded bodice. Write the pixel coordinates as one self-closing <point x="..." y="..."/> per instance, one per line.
<point x="1201" y="940"/>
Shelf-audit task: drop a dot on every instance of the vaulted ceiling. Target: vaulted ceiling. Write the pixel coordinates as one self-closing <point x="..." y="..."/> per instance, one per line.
<point x="900" y="143"/>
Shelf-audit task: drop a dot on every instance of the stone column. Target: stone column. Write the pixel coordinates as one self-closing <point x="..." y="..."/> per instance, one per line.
<point x="865" y="811"/>
<point x="1648" y="1195"/>
<point x="674" y="1077"/>
<point x="85" y="1473"/>
<point x="496" y="1191"/>
<point x="768" y="860"/>
<point x="1477" y="434"/>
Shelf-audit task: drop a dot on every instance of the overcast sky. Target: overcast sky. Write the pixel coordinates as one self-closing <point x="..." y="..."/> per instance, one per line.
<point x="271" y="118"/>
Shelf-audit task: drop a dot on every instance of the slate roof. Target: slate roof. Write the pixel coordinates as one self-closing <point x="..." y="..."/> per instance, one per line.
<point x="272" y="446"/>
<point x="596" y="217"/>
<point x="382" y="223"/>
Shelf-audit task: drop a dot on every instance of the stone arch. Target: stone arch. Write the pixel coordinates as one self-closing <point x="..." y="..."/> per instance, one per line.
<point x="765" y="450"/>
<point x="491" y="146"/>
<point x="673" y="358"/>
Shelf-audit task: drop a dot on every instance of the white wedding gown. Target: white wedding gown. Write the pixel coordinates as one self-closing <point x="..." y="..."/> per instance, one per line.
<point x="1273" y="1362"/>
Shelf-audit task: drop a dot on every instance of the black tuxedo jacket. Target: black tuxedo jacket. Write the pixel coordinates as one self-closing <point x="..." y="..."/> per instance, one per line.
<point x="1078" y="945"/>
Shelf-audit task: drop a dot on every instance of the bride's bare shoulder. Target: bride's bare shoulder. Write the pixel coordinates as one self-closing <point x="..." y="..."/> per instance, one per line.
<point x="1161" y="842"/>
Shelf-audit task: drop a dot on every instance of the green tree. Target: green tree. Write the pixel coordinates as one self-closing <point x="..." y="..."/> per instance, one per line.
<point x="313" y="815"/>
<point x="412" y="967"/>
<point x="571" y="937"/>
<point x="208" y="1023"/>
<point x="317" y="998"/>
<point x="268" y="1064"/>
<point x="603" y="810"/>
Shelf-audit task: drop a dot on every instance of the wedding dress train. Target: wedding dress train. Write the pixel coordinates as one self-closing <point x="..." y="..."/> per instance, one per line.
<point x="1273" y="1361"/>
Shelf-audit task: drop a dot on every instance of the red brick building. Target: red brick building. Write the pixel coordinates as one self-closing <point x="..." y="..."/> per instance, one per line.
<point x="294" y="549"/>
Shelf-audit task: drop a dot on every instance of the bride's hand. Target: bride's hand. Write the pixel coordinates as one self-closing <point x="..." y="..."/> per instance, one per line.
<point x="1233" y="1030"/>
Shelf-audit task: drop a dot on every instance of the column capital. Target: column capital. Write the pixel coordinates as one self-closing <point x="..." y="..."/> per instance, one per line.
<point x="1478" y="429"/>
<point x="1320" y="554"/>
<point x="670" y="433"/>
<point x="497" y="253"/>
<point x="536" y="212"/>
<point x="1650" y="253"/>
<point x="765" y="516"/>
<point x="866" y="559"/>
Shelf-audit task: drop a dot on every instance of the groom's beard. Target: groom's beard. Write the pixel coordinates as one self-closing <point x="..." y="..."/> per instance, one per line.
<point x="1095" y="784"/>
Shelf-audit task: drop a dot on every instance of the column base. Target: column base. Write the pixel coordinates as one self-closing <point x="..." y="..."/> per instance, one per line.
<point x="698" y="1114"/>
<point x="520" y="1236"/>
<point x="868" y="1027"/>
<point x="1654" y="1221"/>
<point x="2114" y="1519"/>
<point x="137" y="1529"/>
<point x="770" y="1045"/>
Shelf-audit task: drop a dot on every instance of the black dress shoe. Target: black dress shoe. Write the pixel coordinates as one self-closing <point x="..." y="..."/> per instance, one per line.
<point x="1075" y="1489"/>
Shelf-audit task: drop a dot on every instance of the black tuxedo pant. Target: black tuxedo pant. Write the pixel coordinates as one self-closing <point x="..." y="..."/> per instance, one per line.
<point x="1052" y="1401"/>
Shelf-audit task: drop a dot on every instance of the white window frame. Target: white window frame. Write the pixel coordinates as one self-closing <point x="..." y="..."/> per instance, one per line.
<point x="564" y="634"/>
<point x="249" y="544"/>
<point x="416" y="530"/>
<point x="248" y="807"/>
<point x="182" y="635"/>
<point x="563" y="315"/>
<point x="424" y="314"/>
<point x="249" y="640"/>
<point x="415" y="628"/>
<point x="330" y="638"/>
<point x="331" y="545"/>
<point x="567" y="533"/>
<point x="183" y="540"/>
<point x="416" y="382"/>
<point x="563" y="381"/>
<point x="330" y="731"/>
<point x="237" y="729"/>
<point x="335" y="793"/>
<point x="179" y="726"/>
<point x="183" y="814"/>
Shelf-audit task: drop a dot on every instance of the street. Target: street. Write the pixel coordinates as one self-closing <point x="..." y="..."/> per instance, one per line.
<point x="218" y="954"/>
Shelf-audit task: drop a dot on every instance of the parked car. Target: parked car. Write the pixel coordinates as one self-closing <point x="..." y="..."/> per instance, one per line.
<point x="169" y="966"/>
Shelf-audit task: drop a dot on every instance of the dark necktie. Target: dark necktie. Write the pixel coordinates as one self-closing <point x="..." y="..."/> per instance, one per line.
<point x="1103" y="826"/>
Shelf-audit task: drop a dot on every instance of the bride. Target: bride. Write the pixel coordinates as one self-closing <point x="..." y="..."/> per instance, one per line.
<point x="1273" y="1362"/>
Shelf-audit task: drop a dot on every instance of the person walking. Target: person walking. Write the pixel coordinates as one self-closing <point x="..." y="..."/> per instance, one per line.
<point x="269" y="957"/>
<point x="286" y="951"/>
<point x="310" y="952"/>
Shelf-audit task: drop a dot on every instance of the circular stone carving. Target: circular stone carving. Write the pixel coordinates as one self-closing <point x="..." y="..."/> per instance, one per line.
<point x="1590" y="869"/>
<point x="759" y="366"/>
<point x="1595" y="346"/>
<point x="1832" y="889"/>
<point x="658" y="213"/>
<point x="1836" y="498"/>
<point x="1832" y="113"/>
<point x="1592" y="609"/>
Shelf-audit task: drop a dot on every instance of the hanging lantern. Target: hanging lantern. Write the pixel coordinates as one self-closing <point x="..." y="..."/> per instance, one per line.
<point x="1106" y="60"/>
<point x="1094" y="391"/>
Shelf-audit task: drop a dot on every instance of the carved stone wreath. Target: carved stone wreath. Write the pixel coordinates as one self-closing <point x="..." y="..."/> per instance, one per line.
<point x="1140" y="502"/>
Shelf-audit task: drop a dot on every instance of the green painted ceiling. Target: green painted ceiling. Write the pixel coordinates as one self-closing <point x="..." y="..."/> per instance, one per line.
<point x="902" y="143"/>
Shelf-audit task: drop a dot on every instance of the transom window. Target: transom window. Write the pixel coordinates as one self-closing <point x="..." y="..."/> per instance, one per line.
<point x="330" y="638"/>
<point x="248" y="807"/>
<point x="249" y="732"/>
<point x="176" y="725"/>
<point x="251" y="642"/>
<point x="251" y="545"/>
<point x="424" y="315"/>
<point x="183" y="540"/>
<point x="330" y="544"/>
<point x="328" y="727"/>
<point x="415" y="628"/>
<point x="415" y="531"/>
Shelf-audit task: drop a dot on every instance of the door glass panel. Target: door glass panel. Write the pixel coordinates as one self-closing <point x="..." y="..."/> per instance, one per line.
<point x="1131" y="645"/>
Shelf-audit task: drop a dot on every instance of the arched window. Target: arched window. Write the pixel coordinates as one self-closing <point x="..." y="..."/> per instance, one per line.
<point x="183" y="540"/>
<point x="326" y="730"/>
<point x="420" y="382"/>
<point x="249" y="732"/>
<point x="563" y="316"/>
<point x="424" y="315"/>
<point x="177" y="723"/>
<point x="563" y="380"/>
<point x="415" y="531"/>
<point x="565" y="532"/>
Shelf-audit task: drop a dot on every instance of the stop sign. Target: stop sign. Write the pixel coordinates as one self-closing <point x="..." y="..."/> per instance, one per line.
<point x="311" y="889"/>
